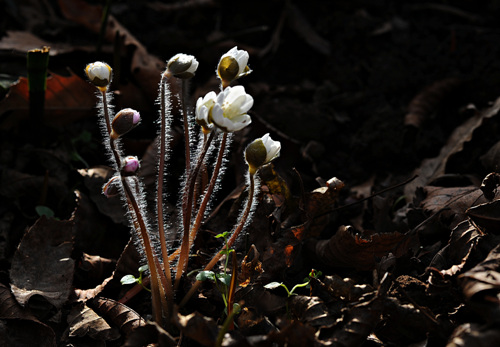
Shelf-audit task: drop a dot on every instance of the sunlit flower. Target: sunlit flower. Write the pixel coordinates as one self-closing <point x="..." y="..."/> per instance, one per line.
<point x="261" y="152"/>
<point x="182" y="66"/>
<point x="233" y="65"/>
<point x="124" y="121"/>
<point x="99" y="74"/>
<point x="203" y="112"/>
<point x="229" y="113"/>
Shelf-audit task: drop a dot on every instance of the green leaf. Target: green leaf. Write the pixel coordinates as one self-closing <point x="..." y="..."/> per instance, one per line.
<point x="128" y="279"/>
<point x="224" y="234"/>
<point x="205" y="275"/>
<point x="227" y="251"/>
<point x="273" y="285"/>
<point x="44" y="211"/>
<point x="143" y="268"/>
<point x="225" y="278"/>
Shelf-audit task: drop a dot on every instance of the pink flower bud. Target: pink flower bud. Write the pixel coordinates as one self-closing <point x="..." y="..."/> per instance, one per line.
<point x="130" y="165"/>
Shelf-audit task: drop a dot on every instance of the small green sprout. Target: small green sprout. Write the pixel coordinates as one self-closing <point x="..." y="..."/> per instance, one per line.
<point x="306" y="283"/>
<point x="131" y="279"/>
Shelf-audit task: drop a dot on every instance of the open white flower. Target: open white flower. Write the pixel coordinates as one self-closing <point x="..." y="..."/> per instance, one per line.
<point x="233" y="65"/>
<point x="99" y="74"/>
<point x="182" y="66"/>
<point x="229" y="113"/>
<point x="261" y="152"/>
<point x="203" y="111"/>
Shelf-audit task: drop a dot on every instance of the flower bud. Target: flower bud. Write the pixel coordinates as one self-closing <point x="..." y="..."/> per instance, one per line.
<point x="124" y="121"/>
<point x="260" y="152"/>
<point x="130" y="165"/>
<point x="233" y="65"/>
<point x="182" y="66"/>
<point x="110" y="189"/>
<point x="99" y="74"/>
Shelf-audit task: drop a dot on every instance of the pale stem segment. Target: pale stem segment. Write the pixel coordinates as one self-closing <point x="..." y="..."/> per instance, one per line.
<point x="230" y="242"/>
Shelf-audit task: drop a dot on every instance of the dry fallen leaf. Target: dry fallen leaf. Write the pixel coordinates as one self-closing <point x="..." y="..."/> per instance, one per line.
<point x="83" y="321"/>
<point x="353" y="250"/>
<point x="42" y="264"/>
<point x="67" y="99"/>
<point x="430" y="169"/>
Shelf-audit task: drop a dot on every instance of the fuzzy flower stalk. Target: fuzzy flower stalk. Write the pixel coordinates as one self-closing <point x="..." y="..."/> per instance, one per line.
<point x="100" y="74"/>
<point x="227" y="112"/>
<point x="257" y="154"/>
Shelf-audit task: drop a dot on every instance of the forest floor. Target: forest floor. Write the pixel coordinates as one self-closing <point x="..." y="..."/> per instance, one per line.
<point x="383" y="196"/>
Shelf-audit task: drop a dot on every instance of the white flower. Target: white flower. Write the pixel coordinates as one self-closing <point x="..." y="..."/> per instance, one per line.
<point x="233" y="65"/>
<point x="229" y="113"/>
<point x="203" y="111"/>
<point x="99" y="73"/>
<point x="261" y="152"/>
<point x="182" y="66"/>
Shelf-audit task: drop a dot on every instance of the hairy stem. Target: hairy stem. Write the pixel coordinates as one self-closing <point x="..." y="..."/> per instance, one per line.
<point x="186" y="124"/>
<point x="139" y="223"/>
<point x="187" y="205"/>
<point x="231" y="240"/>
<point x="159" y="196"/>
<point x="210" y="189"/>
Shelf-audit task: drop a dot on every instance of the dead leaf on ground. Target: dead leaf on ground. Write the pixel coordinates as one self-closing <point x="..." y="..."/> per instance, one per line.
<point x="67" y="99"/>
<point x="473" y="334"/>
<point x="42" y="264"/>
<point x="453" y="257"/>
<point x="17" y="319"/>
<point x="197" y="327"/>
<point x="430" y="169"/>
<point x="452" y="203"/>
<point x="486" y="216"/>
<point x="121" y="315"/>
<point x="348" y="248"/>
<point x="84" y="321"/>
<point x="311" y="310"/>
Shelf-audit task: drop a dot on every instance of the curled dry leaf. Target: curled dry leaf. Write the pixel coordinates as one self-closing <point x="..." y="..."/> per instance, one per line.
<point x="429" y="100"/>
<point x="353" y="250"/>
<point x="197" y="327"/>
<point x="486" y="216"/>
<point x="452" y="202"/>
<point x="42" y="263"/>
<point x="430" y="169"/>
<point x="122" y="316"/>
<point x="84" y="321"/>
<point x="310" y="310"/>
<point x="345" y="288"/>
<point x="22" y="319"/>
<point x="355" y="325"/>
<point x="481" y="286"/>
<point x="473" y="334"/>
<point x="452" y="258"/>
